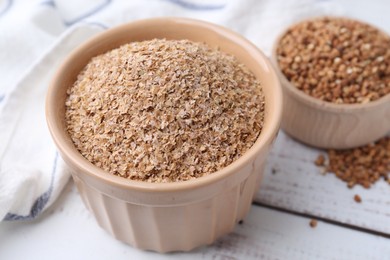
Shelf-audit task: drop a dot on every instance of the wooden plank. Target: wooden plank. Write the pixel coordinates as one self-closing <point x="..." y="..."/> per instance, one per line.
<point x="69" y="231"/>
<point x="292" y="181"/>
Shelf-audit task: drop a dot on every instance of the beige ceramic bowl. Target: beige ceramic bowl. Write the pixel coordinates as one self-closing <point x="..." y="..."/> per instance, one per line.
<point x="167" y="216"/>
<point x="329" y="125"/>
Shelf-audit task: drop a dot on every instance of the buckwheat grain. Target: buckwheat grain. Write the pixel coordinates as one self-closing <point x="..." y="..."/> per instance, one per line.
<point x="363" y="165"/>
<point x="336" y="60"/>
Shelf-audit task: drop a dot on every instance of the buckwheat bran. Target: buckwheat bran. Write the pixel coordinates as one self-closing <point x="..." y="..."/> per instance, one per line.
<point x="164" y="110"/>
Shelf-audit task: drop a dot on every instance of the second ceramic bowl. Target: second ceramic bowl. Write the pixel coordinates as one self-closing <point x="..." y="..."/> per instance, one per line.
<point x="329" y="125"/>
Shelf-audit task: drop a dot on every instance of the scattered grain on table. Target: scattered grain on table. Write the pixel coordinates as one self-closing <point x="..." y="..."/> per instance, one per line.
<point x="313" y="223"/>
<point x="363" y="165"/>
<point x="320" y="161"/>
<point x="357" y="198"/>
<point x="164" y="110"/>
<point x="336" y="60"/>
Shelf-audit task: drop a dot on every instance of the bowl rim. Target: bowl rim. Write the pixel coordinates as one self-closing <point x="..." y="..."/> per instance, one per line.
<point x="315" y="102"/>
<point x="71" y="154"/>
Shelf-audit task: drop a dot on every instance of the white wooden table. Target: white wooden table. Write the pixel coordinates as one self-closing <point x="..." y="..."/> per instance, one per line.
<point x="293" y="192"/>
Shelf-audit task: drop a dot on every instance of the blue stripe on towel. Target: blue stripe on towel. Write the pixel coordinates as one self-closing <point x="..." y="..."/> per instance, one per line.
<point x="98" y="24"/>
<point x="41" y="202"/>
<point x="93" y="11"/>
<point x="48" y="3"/>
<point x="2" y="98"/>
<point x="197" y="7"/>
<point x="6" y="7"/>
